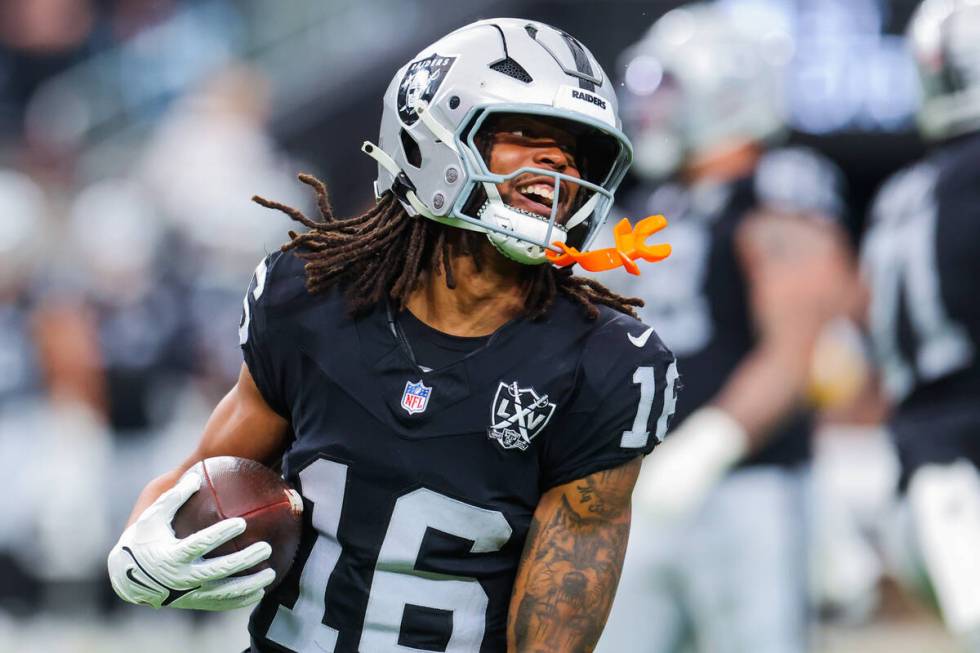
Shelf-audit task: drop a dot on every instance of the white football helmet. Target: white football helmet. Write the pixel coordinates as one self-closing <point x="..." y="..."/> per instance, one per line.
<point x="432" y="152"/>
<point x="945" y="39"/>
<point x="703" y="77"/>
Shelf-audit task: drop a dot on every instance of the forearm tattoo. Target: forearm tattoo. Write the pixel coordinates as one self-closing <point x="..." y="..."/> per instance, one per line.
<point x="571" y="564"/>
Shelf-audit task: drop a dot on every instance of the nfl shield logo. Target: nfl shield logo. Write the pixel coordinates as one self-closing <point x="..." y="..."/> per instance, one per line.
<point x="415" y="399"/>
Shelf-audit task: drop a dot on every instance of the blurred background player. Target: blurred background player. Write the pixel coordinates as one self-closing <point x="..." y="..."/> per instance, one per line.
<point x="921" y="258"/>
<point x="716" y="559"/>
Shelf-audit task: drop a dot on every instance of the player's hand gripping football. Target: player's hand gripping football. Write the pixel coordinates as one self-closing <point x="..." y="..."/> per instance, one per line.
<point x="151" y="566"/>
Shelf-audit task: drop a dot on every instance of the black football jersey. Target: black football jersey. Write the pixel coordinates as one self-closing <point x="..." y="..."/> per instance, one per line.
<point x="921" y="259"/>
<point x="419" y="486"/>
<point x="697" y="299"/>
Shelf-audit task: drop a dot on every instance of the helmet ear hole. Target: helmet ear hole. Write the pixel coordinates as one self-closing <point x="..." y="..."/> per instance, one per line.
<point x="412" y="152"/>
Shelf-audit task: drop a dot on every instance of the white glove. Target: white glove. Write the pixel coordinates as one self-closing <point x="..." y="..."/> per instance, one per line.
<point x="150" y="566"/>
<point x="678" y="475"/>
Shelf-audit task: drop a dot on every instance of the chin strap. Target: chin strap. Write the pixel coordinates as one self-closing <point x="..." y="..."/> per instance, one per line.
<point x="630" y="245"/>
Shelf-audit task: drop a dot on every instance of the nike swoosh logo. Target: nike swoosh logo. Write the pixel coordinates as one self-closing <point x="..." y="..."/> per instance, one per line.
<point x="172" y="594"/>
<point x="640" y="340"/>
<point x="131" y="576"/>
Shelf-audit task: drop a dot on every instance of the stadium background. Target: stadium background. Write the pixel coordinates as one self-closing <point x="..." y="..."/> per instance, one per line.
<point x="132" y="135"/>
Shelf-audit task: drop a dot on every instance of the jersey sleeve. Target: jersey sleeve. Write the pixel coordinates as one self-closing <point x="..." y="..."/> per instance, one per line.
<point x="277" y="281"/>
<point x="622" y="406"/>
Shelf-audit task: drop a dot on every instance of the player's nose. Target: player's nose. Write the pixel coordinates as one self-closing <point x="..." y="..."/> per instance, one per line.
<point x="550" y="156"/>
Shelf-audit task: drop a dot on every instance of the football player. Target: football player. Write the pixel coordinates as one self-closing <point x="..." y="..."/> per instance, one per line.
<point x="716" y="560"/>
<point x="464" y="420"/>
<point x="921" y="258"/>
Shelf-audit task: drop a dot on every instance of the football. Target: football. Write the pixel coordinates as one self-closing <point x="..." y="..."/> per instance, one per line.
<point x="238" y="487"/>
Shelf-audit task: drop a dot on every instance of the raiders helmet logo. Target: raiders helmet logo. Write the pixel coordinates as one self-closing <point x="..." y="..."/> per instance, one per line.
<point x="420" y="83"/>
<point x="518" y="415"/>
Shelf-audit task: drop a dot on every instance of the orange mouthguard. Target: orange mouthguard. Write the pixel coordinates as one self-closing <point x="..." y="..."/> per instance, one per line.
<point x="630" y="246"/>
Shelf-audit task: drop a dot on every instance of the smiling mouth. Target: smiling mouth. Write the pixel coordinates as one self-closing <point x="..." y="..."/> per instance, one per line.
<point x="535" y="197"/>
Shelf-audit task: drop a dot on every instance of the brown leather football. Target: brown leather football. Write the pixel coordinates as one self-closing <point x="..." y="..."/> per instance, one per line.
<point x="238" y="487"/>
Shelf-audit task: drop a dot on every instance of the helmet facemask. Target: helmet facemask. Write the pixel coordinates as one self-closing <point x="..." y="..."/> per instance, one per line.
<point x="528" y="199"/>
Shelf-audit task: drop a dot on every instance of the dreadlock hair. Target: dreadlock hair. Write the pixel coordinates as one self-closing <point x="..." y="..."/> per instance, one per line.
<point x="386" y="253"/>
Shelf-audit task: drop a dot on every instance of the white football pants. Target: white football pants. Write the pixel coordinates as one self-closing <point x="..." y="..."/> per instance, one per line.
<point x="730" y="580"/>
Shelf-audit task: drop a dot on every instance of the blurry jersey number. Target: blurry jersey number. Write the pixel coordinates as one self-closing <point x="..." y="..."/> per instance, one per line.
<point x="396" y="583"/>
<point x="900" y="258"/>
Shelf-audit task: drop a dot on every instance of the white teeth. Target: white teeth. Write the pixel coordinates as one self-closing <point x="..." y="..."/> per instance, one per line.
<point x="541" y="190"/>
